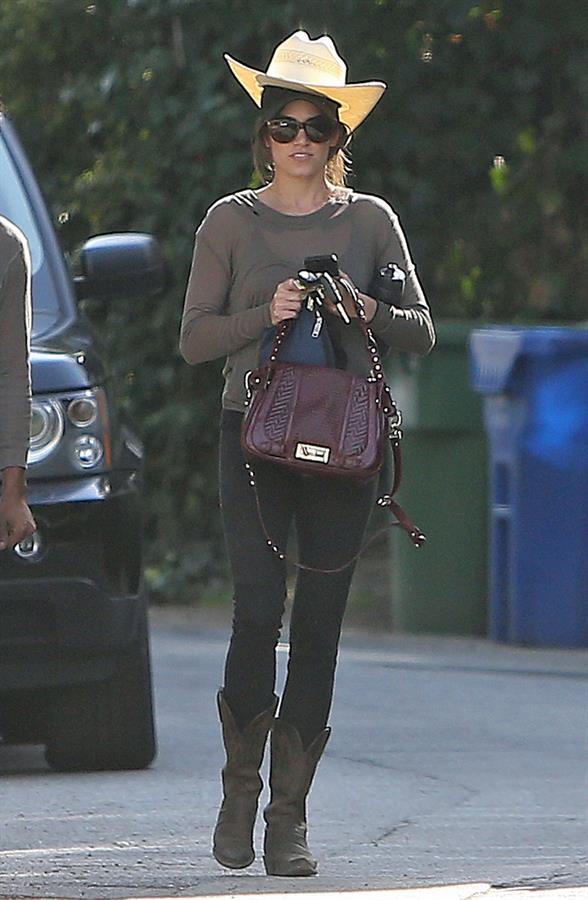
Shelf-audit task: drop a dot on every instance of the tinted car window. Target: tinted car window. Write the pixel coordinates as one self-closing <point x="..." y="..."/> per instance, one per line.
<point x="15" y="205"/>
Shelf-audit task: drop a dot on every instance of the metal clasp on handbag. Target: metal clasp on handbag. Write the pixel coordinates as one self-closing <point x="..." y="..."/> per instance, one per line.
<point x="394" y="423"/>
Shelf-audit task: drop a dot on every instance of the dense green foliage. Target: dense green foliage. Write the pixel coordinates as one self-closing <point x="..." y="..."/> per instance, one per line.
<point x="133" y="121"/>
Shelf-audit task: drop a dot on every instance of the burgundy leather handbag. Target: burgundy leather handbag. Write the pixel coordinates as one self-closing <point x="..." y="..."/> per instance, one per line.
<point x="316" y="420"/>
<point x="324" y="421"/>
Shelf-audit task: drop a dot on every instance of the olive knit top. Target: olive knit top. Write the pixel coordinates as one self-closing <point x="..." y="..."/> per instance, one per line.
<point x="244" y="249"/>
<point x="15" y="319"/>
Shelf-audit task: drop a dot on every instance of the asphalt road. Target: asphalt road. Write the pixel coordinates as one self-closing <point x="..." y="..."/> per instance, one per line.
<point x="451" y="762"/>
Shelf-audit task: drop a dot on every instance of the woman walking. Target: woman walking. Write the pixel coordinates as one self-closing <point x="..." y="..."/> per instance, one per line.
<point x="248" y="251"/>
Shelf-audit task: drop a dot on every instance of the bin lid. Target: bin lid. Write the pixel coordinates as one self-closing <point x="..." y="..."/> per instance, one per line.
<point x="495" y="352"/>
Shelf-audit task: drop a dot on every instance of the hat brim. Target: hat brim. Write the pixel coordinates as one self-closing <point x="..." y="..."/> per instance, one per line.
<point x="356" y="101"/>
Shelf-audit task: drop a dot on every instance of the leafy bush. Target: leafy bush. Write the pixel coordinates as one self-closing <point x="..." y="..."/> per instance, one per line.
<point x="133" y="121"/>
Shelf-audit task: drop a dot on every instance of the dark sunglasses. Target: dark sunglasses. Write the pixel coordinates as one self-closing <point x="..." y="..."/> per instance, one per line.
<point x="319" y="129"/>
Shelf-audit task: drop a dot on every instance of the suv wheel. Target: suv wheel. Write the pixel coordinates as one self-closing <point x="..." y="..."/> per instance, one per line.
<point x="106" y="724"/>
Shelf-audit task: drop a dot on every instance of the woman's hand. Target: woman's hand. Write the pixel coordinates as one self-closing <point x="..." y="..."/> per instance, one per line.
<point x="286" y="302"/>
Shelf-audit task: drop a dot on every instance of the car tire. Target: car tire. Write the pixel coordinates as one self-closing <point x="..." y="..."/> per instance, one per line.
<point x="106" y="725"/>
<point x="23" y="717"/>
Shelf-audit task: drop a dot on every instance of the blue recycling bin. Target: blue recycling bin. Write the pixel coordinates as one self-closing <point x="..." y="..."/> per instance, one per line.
<point x="535" y="386"/>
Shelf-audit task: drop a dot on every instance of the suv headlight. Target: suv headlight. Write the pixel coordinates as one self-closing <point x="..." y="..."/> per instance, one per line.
<point x="47" y="427"/>
<point x="70" y="431"/>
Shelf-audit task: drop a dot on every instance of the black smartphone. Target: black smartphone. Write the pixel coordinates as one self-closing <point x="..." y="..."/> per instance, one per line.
<point x="328" y="264"/>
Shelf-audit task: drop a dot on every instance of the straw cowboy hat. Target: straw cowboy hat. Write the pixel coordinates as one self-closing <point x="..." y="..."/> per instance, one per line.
<point x="313" y="67"/>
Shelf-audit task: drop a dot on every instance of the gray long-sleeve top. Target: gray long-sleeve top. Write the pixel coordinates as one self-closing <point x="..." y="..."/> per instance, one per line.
<point x="244" y="249"/>
<point x="15" y="320"/>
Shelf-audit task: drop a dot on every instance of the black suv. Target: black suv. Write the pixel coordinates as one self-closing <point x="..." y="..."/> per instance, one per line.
<point x="74" y="649"/>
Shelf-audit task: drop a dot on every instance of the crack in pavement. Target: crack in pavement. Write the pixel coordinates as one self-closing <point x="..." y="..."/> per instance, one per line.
<point x="558" y="878"/>
<point x="450" y="806"/>
<point x="417" y="774"/>
<point x="405" y="823"/>
<point x="402" y="770"/>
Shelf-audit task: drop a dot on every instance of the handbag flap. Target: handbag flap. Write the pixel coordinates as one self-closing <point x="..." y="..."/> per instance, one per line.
<point x="328" y="418"/>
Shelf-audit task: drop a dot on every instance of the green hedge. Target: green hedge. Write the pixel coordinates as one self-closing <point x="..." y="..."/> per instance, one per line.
<point x="133" y="121"/>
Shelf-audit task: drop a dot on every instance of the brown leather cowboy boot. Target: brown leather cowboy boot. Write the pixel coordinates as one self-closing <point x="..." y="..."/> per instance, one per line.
<point x="233" y="835"/>
<point x="292" y="770"/>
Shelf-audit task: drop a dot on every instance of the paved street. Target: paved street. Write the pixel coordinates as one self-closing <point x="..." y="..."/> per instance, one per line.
<point x="453" y="762"/>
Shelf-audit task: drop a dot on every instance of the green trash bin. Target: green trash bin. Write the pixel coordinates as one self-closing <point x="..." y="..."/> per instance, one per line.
<point x="442" y="587"/>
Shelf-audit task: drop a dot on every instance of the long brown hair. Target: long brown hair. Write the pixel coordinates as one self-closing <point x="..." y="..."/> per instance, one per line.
<point x="339" y="162"/>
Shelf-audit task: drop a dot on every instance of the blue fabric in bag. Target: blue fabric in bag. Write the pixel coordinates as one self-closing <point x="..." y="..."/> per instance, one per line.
<point x="307" y="341"/>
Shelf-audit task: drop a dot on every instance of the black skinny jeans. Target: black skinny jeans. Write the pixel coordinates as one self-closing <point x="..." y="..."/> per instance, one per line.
<point x="330" y="517"/>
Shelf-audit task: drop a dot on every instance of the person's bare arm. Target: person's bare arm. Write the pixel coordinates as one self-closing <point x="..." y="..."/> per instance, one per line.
<point x="16" y="519"/>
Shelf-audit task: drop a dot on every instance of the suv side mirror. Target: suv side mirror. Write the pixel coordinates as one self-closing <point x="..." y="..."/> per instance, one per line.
<point x="126" y="264"/>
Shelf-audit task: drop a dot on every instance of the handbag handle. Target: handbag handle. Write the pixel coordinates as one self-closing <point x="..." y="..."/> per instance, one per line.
<point x="402" y="521"/>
